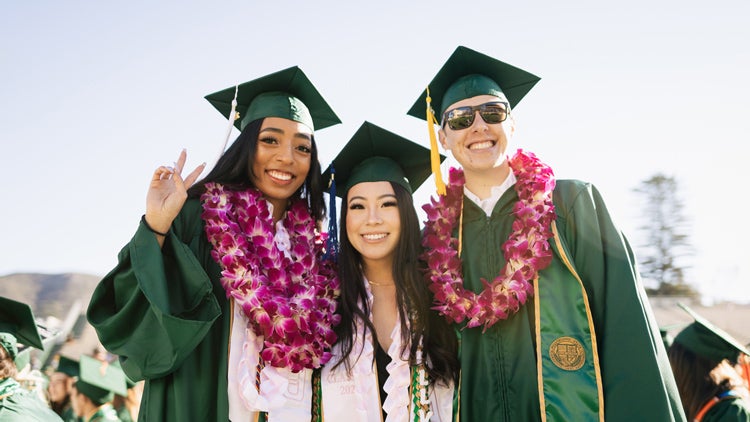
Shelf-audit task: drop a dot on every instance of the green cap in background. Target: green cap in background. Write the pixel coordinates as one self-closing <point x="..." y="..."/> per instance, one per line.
<point x="288" y="94"/>
<point x="68" y="366"/>
<point x="374" y="154"/>
<point x="468" y="73"/>
<point x="17" y="325"/>
<point x="99" y="380"/>
<point x="708" y="341"/>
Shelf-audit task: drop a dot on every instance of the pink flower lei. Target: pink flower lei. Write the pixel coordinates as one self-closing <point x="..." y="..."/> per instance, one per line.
<point x="526" y="251"/>
<point x="290" y="301"/>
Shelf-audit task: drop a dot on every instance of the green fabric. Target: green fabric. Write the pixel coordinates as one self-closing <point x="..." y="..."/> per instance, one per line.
<point x="374" y="154"/>
<point x="20" y="405"/>
<point x="105" y="413"/>
<point x="570" y="394"/>
<point x="17" y="319"/>
<point x="8" y="341"/>
<point x="709" y="341"/>
<point x="100" y="381"/>
<point x="514" y="83"/>
<point x="467" y="87"/>
<point x="735" y="409"/>
<point x="124" y="414"/>
<point x="68" y="415"/>
<point x="292" y="96"/>
<point x="166" y="315"/>
<point x="499" y="375"/>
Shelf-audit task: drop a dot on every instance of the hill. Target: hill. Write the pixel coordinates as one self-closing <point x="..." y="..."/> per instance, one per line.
<point x="49" y="294"/>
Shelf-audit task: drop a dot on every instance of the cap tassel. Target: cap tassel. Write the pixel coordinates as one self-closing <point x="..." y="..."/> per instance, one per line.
<point x="332" y="243"/>
<point x="232" y="117"/>
<point x="434" y="153"/>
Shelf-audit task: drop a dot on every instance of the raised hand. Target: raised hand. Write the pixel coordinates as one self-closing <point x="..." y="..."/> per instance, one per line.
<point x="167" y="193"/>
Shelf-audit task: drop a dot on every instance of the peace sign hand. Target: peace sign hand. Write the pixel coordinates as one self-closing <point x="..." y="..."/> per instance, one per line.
<point x="167" y="193"/>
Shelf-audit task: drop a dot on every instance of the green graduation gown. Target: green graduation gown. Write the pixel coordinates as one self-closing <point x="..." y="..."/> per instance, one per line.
<point x="498" y="367"/>
<point x="20" y="405"/>
<point x="105" y="413"/>
<point x="164" y="312"/>
<point x="735" y="409"/>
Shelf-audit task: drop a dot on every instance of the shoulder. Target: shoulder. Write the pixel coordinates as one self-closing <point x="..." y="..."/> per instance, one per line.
<point x="569" y="192"/>
<point x="732" y="409"/>
<point x="189" y="222"/>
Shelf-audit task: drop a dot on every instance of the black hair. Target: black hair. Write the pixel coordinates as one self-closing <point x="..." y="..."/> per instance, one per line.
<point x="413" y="299"/>
<point x="235" y="166"/>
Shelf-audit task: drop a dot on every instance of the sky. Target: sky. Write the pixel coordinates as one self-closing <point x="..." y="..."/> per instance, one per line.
<point x="96" y="95"/>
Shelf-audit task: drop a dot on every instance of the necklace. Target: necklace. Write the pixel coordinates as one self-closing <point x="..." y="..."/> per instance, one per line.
<point x="289" y="300"/>
<point x="526" y="251"/>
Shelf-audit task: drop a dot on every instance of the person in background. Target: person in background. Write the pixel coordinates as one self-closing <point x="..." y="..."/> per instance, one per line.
<point x="704" y="360"/>
<point x="221" y="301"/>
<point x="95" y="388"/>
<point x="395" y="358"/>
<point x="18" y="333"/>
<point x="61" y="386"/>
<point x="553" y="321"/>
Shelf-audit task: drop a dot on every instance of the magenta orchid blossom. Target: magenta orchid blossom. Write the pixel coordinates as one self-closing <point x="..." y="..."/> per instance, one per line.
<point x="282" y="296"/>
<point x="526" y="251"/>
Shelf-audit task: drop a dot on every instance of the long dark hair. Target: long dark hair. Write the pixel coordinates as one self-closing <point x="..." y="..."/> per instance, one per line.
<point x="413" y="299"/>
<point x="692" y="373"/>
<point x="235" y="165"/>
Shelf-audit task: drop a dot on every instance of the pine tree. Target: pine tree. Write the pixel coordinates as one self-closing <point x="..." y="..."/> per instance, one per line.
<point x="665" y="249"/>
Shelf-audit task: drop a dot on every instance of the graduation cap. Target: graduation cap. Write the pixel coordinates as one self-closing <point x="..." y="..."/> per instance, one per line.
<point x="68" y="366"/>
<point x="374" y="154"/>
<point x="17" y="325"/>
<point x="99" y="381"/>
<point x="287" y="93"/>
<point x="708" y="341"/>
<point x="468" y="73"/>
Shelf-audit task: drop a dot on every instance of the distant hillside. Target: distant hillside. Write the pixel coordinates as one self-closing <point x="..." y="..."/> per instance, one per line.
<point x="49" y="294"/>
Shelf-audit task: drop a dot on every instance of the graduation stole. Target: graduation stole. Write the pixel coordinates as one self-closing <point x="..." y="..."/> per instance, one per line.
<point x="289" y="300"/>
<point x="526" y="251"/>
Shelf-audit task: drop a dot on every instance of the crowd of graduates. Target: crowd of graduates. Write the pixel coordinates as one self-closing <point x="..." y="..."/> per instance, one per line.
<point x="519" y="300"/>
<point x="90" y="388"/>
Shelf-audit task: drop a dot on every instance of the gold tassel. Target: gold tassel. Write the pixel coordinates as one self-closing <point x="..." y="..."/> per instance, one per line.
<point x="434" y="153"/>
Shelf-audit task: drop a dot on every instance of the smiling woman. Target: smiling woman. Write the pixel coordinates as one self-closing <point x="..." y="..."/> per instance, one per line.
<point x="385" y="305"/>
<point x="221" y="301"/>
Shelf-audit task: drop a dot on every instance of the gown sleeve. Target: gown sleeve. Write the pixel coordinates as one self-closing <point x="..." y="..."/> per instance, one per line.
<point x="157" y="304"/>
<point x="637" y="379"/>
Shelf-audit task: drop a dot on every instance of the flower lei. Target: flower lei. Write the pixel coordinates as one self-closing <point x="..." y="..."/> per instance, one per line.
<point x="290" y="301"/>
<point x="526" y="251"/>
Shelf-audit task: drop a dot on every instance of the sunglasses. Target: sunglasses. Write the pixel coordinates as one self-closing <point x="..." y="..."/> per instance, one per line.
<point x="463" y="117"/>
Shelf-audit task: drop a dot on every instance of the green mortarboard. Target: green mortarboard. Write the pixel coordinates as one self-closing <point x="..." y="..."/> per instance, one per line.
<point x="374" y="154"/>
<point x="99" y="380"/>
<point x="468" y="73"/>
<point x="17" y="325"/>
<point x="68" y="366"/>
<point x="708" y="341"/>
<point x="287" y="93"/>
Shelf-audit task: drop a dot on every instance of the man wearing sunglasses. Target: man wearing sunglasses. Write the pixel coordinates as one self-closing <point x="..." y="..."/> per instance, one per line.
<point x="541" y="286"/>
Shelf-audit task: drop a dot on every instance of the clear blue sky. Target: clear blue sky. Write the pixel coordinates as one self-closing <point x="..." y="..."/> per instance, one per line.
<point x="96" y="95"/>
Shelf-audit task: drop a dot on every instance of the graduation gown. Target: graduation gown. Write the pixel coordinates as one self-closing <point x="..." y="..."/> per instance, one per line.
<point x="735" y="409"/>
<point x="20" y="405"/>
<point x="498" y="367"/>
<point x="165" y="313"/>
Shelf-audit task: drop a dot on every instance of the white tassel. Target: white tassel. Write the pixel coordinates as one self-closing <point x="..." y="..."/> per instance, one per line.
<point x="232" y="117"/>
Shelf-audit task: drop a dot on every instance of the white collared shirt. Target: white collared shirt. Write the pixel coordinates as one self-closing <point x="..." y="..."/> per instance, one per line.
<point x="488" y="204"/>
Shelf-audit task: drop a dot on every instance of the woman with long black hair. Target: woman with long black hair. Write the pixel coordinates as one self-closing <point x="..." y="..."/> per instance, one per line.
<point x="221" y="301"/>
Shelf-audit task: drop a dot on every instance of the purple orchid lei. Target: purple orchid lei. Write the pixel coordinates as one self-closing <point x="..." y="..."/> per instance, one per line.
<point x="290" y="301"/>
<point x="526" y="251"/>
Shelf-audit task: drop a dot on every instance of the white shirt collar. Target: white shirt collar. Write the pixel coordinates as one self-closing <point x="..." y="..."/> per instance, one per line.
<point x="488" y="204"/>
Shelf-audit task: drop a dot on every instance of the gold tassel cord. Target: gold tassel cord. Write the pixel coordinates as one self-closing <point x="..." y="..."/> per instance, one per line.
<point x="434" y="153"/>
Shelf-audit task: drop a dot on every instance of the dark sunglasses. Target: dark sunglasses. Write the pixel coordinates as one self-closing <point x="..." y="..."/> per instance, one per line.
<point x="463" y="117"/>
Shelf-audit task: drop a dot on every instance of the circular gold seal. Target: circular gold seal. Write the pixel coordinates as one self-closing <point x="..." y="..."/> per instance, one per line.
<point x="567" y="353"/>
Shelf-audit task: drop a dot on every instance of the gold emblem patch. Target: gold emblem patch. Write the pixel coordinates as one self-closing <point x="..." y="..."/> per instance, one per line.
<point x="567" y="353"/>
